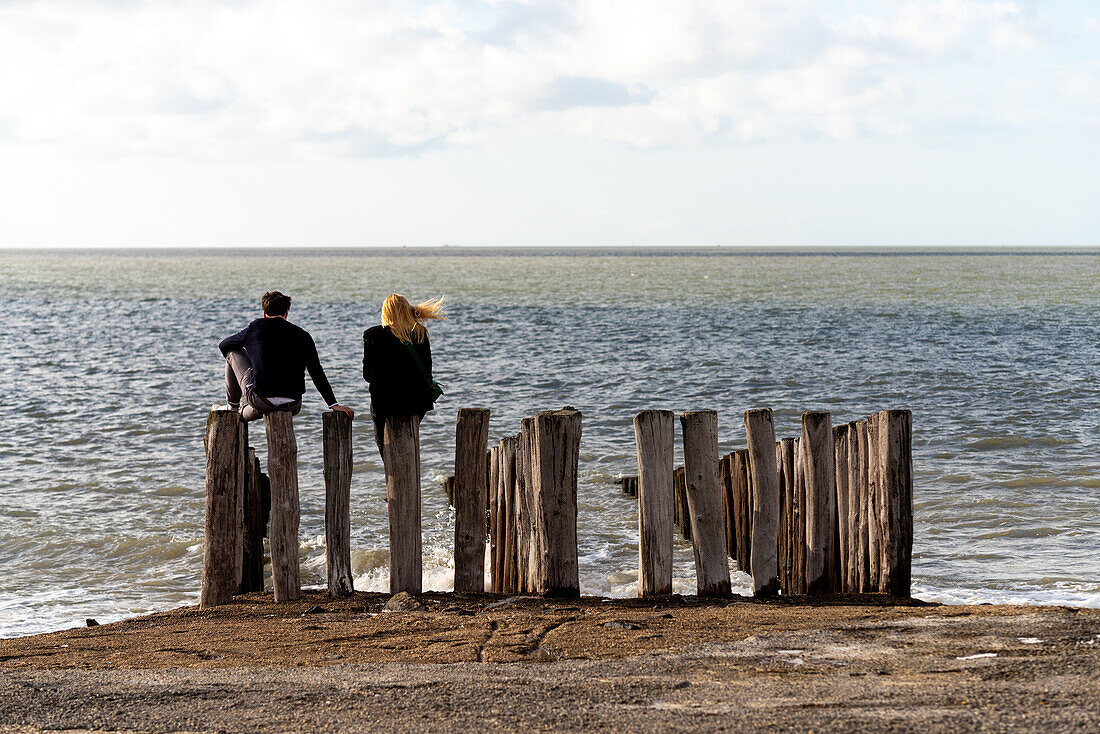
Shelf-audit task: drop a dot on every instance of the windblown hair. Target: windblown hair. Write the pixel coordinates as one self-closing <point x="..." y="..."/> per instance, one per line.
<point x="406" y="320"/>
<point x="275" y="304"/>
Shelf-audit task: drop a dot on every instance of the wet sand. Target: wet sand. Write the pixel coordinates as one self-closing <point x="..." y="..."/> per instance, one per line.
<point x="475" y="661"/>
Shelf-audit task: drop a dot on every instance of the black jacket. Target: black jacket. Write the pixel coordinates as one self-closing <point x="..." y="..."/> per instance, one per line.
<point x="280" y="353"/>
<point x="397" y="385"/>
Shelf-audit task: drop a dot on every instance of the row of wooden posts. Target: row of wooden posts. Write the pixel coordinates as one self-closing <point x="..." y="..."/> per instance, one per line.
<point x="828" y="511"/>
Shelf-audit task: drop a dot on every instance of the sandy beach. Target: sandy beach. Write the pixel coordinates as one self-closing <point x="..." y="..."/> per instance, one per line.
<point x="461" y="662"/>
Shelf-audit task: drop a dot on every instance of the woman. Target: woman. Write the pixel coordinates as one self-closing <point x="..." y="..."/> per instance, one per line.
<point x="397" y="361"/>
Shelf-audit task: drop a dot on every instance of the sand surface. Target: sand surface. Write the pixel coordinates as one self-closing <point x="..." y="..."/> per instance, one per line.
<point x="473" y="662"/>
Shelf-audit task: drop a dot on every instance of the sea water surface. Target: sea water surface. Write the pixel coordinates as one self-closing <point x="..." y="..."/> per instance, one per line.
<point x="109" y="364"/>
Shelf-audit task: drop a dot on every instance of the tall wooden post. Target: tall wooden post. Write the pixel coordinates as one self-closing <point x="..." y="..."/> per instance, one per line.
<point x="708" y="534"/>
<point x="557" y="450"/>
<point x="252" y="564"/>
<point x="798" y="517"/>
<point x="336" y="437"/>
<point x="840" y="483"/>
<point x="401" y="449"/>
<point x="817" y="435"/>
<point x="893" y="432"/>
<point x="523" y="518"/>
<point x="725" y="481"/>
<point x="534" y="508"/>
<point x="742" y="509"/>
<point x="220" y="573"/>
<point x="654" y="437"/>
<point x="496" y="523"/>
<point x="282" y="470"/>
<point x="764" y="479"/>
<point x="863" y="551"/>
<point x="852" y="573"/>
<point x="785" y="457"/>
<point x="507" y="478"/>
<point x="471" y="439"/>
<point x="874" y="507"/>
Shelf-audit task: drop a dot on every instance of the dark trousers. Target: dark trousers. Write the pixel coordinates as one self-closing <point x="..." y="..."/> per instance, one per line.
<point x="241" y="382"/>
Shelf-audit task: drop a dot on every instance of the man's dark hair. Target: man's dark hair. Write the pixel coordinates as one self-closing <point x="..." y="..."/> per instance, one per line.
<point x="275" y="304"/>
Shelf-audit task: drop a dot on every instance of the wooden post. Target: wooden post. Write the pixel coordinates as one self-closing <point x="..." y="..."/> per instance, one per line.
<point x="557" y="450"/>
<point x="742" y="513"/>
<point x="655" y="438"/>
<point x="496" y="524"/>
<point x="682" y="516"/>
<point x="523" y="519"/>
<point x="282" y="469"/>
<point x="507" y="479"/>
<point x="874" y="530"/>
<point x="855" y="510"/>
<point x="629" y="486"/>
<point x="725" y="481"/>
<point x="471" y="439"/>
<point x="534" y="508"/>
<point x="817" y="436"/>
<point x="840" y="482"/>
<point x="238" y="500"/>
<point x="336" y="437"/>
<point x="449" y="490"/>
<point x="252" y="564"/>
<point x="401" y="449"/>
<point x="785" y="459"/>
<point x="712" y="573"/>
<point x="764" y="478"/>
<point x="863" y="568"/>
<point x="220" y="575"/>
<point x="893" y="432"/>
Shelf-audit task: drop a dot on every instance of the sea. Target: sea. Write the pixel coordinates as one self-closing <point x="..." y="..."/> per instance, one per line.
<point x="109" y="365"/>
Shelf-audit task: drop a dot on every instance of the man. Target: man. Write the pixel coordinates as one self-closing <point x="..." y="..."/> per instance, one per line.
<point x="265" y="363"/>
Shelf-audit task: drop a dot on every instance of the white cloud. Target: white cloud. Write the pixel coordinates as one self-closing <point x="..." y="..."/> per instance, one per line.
<point x="338" y="78"/>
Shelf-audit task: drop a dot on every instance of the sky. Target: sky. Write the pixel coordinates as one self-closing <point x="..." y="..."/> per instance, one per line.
<point x="131" y="123"/>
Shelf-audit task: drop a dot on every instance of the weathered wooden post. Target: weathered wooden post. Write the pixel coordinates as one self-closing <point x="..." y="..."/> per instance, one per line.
<point x="220" y="570"/>
<point x="524" y="547"/>
<point x="712" y="573"/>
<point x="336" y="438"/>
<point x="855" y="510"/>
<point x="725" y="481"/>
<point x="655" y="439"/>
<point x="681" y="516"/>
<point x="510" y="578"/>
<point x="840" y="483"/>
<point x="819" y="453"/>
<point x="629" y="486"/>
<point x="893" y="432"/>
<point x="496" y="523"/>
<point x="401" y="449"/>
<point x="471" y="439"/>
<point x="557" y="450"/>
<point x="874" y="529"/>
<point x="255" y="523"/>
<point x="282" y="470"/>
<point x="242" y="488"/>
<point x="449" y="489"/>
<point x="742" y="509"/>
<point x="785" y="461"/>
<point x="534" y="551"/>
<point x="764" y="478"/>
<point x="798" y="518"/>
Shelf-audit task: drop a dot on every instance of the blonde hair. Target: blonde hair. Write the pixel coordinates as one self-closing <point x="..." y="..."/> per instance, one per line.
<point x="405" y="320"/>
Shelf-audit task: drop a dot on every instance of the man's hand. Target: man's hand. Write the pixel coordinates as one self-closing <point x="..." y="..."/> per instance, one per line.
<point x="344" y="409"/>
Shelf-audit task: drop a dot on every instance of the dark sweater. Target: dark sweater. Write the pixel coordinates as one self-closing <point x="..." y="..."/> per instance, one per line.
<point x="397" y="385"/>
<point x="280" y="353"/>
